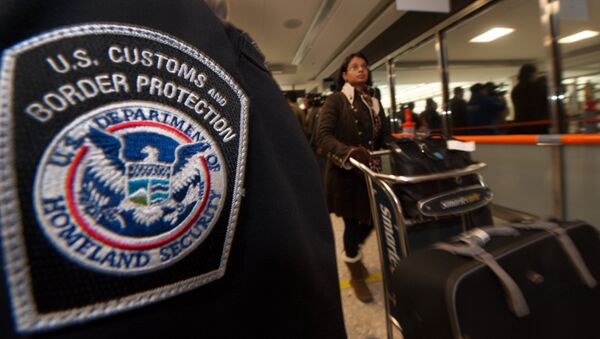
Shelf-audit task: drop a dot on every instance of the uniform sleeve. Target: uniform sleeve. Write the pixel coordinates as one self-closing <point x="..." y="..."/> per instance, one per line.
<point x="336" y="150"/>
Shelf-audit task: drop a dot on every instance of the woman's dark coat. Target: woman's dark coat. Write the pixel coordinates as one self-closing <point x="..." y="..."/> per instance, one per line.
<point x="344" y="124"/>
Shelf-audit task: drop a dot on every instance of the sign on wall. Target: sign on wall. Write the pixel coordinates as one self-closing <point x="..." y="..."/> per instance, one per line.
<point x="441" y="6"/>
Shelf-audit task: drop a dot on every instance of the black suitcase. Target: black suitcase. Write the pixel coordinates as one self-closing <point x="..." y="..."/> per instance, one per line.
<point x="437" y="294"/>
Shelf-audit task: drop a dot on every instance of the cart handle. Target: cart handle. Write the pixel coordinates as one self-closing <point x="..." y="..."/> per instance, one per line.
<point x="413" y="179"/>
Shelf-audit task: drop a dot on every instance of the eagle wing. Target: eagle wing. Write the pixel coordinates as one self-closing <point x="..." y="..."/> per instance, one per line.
<point x="187" y="165"/>
<point x="106" y="166"/>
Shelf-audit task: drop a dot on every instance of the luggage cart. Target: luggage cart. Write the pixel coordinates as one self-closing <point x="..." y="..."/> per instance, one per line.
<point x="390" y="223"/>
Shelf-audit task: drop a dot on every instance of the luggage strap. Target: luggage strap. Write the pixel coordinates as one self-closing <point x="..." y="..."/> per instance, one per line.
<point x="514" y="297"/>
<point x="567" y="245"/>
<point x="482" y="235"/>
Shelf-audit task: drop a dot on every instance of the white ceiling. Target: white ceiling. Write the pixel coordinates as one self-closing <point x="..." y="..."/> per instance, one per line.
<point x="338" y="36"/>
<point x="334" y="39"/>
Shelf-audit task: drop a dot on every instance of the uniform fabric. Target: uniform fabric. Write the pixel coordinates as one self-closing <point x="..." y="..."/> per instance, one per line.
<point x="281" y="276"/>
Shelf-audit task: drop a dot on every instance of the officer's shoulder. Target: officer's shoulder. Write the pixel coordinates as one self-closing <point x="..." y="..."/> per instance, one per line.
<point x="247" y="45"/>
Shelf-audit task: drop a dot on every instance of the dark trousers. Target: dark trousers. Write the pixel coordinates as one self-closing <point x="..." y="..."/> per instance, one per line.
<point x="355" y="233"/>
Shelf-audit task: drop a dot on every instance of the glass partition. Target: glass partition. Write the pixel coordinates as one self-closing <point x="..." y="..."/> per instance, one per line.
<point x="417" y="85"/>
<point x="579" y="42"/>
<point x="382" y="88"/>
<point x="485" y="56"/>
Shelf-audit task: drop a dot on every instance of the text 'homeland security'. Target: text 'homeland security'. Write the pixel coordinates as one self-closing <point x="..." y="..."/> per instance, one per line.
<point x="55" y="210"/>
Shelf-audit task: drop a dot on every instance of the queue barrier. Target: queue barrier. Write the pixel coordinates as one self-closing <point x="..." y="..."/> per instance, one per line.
<point x="530" y="139"/>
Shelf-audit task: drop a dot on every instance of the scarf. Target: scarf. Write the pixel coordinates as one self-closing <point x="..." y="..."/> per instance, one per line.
<point x="368" y="100"/>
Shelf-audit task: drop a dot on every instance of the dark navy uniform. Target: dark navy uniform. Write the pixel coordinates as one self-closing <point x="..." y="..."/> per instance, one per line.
<point x="140" y="90"/>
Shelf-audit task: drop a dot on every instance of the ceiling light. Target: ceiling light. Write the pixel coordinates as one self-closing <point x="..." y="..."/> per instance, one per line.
<point x="318" y="23"/>
<point x="492" y="34"/>
<point x="578" y="36"/>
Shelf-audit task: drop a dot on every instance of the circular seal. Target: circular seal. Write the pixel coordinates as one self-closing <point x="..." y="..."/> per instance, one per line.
<point x="130" y="187"/>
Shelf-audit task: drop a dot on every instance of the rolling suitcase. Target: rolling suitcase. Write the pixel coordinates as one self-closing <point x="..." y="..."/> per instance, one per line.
<point x="529" y="284"/>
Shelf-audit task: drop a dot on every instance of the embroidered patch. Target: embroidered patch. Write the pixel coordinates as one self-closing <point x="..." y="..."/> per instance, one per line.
<point x="122" y="156"/>
<point x="124" y="188"/>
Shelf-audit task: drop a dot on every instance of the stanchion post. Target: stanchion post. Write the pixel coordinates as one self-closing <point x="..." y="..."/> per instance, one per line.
<point x="549" y="20"/>
<point x="391" y="73"/>
<point x="441" y="48"/>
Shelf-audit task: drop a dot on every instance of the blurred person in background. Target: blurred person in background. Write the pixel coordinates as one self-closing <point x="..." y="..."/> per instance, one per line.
<point x="351" y="124"/>
<point x="458" y="107"/>
<point x="530" y="101"/>
<point x="497" y="96"/>
<point x="430" y="116"/>
<point x="483" y="111"/>
<point x="312" y="122"/>
<point x="310" y="112"/>
<point x="292" y="100"/>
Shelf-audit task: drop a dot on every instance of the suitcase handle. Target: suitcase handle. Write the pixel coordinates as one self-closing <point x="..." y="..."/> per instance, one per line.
<point x="514" y="297"/>
<point x="482" y="235"/>
<point x="567" y="245"/>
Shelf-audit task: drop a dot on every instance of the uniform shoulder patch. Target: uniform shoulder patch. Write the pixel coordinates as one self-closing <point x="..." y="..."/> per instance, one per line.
<point x="122" y="158"/>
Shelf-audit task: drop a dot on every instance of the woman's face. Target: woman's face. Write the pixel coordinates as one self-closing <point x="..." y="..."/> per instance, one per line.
<point x="357" y="73"/>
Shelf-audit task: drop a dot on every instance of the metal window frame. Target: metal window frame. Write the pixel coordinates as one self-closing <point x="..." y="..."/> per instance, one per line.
<point x="550" y="26"/>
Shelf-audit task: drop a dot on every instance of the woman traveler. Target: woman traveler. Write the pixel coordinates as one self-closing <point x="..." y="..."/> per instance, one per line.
<point x="351" y="124"/>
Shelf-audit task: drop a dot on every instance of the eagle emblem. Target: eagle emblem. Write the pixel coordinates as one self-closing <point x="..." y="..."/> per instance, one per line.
<point x="144" y="187"/>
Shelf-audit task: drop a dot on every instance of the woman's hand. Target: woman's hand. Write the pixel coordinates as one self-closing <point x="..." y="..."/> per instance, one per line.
<point x="361" y="155"/>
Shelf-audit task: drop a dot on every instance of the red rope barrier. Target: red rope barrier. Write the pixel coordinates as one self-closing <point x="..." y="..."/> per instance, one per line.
<point x="534" y="139"/>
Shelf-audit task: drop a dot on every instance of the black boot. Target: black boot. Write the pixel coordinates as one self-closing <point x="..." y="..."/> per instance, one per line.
<point x="359" y="273"/>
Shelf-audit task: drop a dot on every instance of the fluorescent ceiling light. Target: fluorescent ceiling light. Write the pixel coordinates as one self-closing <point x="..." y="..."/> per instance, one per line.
<point x="578" y="36"/>
<point x="318" y="23"/>
<point x="492" y="34"/>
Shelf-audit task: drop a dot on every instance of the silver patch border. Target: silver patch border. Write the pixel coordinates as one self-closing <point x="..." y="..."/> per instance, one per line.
<point x="16" y="266"/>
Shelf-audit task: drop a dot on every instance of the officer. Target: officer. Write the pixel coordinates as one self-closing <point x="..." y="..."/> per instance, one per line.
<point x="150" y="184"/>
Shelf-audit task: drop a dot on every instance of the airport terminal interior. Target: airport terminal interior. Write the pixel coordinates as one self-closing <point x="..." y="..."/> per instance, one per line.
<point x="305" y="42"/>
<point x="537" y="167"/>
<point x="457" y="144"/>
